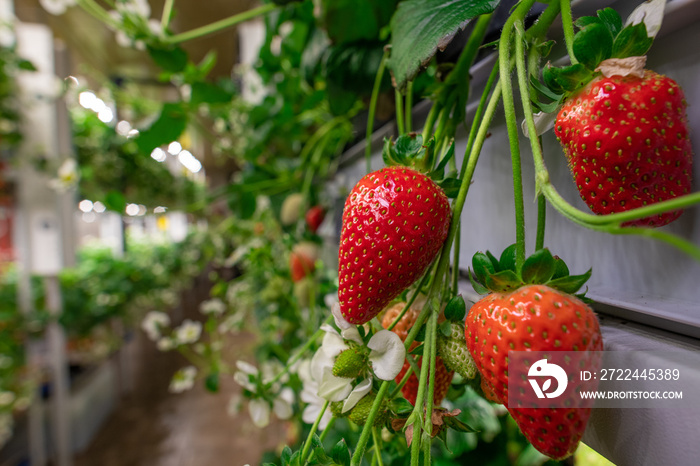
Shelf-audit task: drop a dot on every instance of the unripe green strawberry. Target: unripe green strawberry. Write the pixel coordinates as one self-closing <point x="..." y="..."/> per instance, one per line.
<point x="360" y="412"/>
<point x="454" y="352"/>
<point x="626" y="139"/>
<point x="352" y="362"/>
<point x="394" y="223"/>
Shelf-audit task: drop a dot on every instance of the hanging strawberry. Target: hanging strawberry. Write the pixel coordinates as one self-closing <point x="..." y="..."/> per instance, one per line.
<point x="623" y="129"/>
<point x="394" y="223"/>
<point x="531" y="309"/>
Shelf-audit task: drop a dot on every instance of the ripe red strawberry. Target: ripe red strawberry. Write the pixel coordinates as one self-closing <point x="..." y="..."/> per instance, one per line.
<point x="314" y="216"/>
<point x="302" y="259"/>
<point x="443" y="376"/>
<point x="626" y="139"/>
<point x="532" y="318"/>
<point x="394" y="223"/>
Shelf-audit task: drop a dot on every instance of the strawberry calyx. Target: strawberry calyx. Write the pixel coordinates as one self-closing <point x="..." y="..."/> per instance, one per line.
<point x="409" y="150"/>
<point x="489" y="274"/>
<point x="599" y="38"/>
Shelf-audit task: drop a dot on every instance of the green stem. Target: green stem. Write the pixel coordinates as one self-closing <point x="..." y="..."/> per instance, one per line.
<point x="307" y="444"/>
<point x="568" y="26"/>
<point x="220" y="25"/>
<point x="514" y="22"/>
<point x="541" y="220"/>
<point x="373" y="109"/>
<point x="431" y="332"/>
<point x="409" y="106"/>
<point x="167" y="13"/>
<point x="401" y="384"/>
<point x="455" y="262"/>
<point x="410" y="301"/>
<point x="398" y="100"/>
<point x="377" y="446"/>
<point x="98" y="12"/>
<point x="356" y="459"/>
<point x="430" y="122"/>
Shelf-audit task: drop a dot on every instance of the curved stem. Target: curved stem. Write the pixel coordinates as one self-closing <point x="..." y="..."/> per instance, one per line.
<point x="455" y="262"/>
<point x="373" y="109"/>
<point x="430" y="122"/>
<point x="401" y="384"/>
<point x="568" y="26"/>
<point x="429" y="396"/>
<point x="220" y="25"/>
<point x="307" y="444"/>
<point x="98" y="12"/>
<point x="514" y="22"/>
<point x="410" y="301"/>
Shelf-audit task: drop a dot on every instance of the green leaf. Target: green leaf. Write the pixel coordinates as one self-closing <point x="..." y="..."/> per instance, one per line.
<point x="593" y="44"/>
<point x="482" y="266"/>
<point x="451" y="186"/>
<point x="401" y="406"/>
<point x="340" y="453"/>
<point x="445" y="328"/>
<point x="611" y="19"/>
<point x="440" y="169"/>
<point x="566" y="79"/>
<point x="25" y="65"/>
<point x="478" y="287"/>
<point x="584" y="21"/>
<point x="409" y="144"/>
<point x="560" y="268"/>
<point x="456" y="424"/>
<point x="204" y="92"/>
<point x="243" y="203"/>
<point x="389" y="156"/>
<point x="632" y="41"/>
<point x="505" y="280"/>
<point x="168" y="127"/>
<point x="422" y="27"/>
<point x="570" y="284"/>
<point x="418" y="350"/>
<point x="421" y="334"/>
<point x="456" y="309"/>
<point x="115" y="201"/>
<point x="539" y="267"/>
<point x="494" y="261"/>
<point x="353" y="20"/>
<point x="508" y="258"/>
<point x="172" y="59"/>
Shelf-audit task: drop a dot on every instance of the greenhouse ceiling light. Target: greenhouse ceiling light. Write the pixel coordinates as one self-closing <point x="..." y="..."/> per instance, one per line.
<point x="174" y="147"/>
<point x="132" y="210"/>
<point x="85" y="205"/>
<point x="158" y="155"/>
<point x="189" y="161"/>
<point x="105" y="115"/>
<point x="99" y="207"/>
<point x="87" y="99"/>
<point x="123" y="128"/>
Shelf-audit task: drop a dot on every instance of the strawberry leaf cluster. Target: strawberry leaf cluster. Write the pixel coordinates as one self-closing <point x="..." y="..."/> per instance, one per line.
<point x="491" y="274"/>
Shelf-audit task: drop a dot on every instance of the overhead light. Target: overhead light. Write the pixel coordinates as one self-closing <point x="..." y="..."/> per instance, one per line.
<point x="85" y="205"/>
<point x="189" y="161"/>
<point x="158" y="154"/>
<point x="174" y="147"/>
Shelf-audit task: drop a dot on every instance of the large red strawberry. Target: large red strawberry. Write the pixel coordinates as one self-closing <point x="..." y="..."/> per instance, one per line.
<point x="394" y="223"/>
<point x="623" y="128"/>
<point x="532" y="317"/>
<point x="443" y="376"/>
<point x="626" y="139"/>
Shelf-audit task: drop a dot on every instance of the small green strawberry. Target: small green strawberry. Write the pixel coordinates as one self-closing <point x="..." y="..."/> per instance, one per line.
<point x="352" y="362"/>
<point x="454" y="352"/>
<point x="360" y="412"/>
<point x="394" y="223"/>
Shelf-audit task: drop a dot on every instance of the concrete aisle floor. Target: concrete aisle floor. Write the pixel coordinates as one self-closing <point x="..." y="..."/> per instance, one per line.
<point x="152" y="427"/>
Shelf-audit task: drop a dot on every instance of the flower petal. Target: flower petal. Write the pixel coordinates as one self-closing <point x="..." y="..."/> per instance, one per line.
<point x="352" y="334"/>
<point x="334" y="388"/>
<point x="339" y="319"/>
<point x="333" y="343"/>
<point x="319" y="363"/>
<point x="247" y="367"/>
<point x="259" y="410"/>
<point x="357" y="394"/>
<point x="387" y="355"/>
<point x="282" y="405"/>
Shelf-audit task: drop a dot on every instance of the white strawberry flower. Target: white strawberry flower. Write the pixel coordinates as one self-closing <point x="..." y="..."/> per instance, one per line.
<point x="183" y="379"/>
<point x="188" y="332"/>
<point x="57" y="7"/>
<point x="67" y="176"/>
<point x="153" y="324"/>
<point x="213" y="306"/>
<point x="260" y="407"/>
